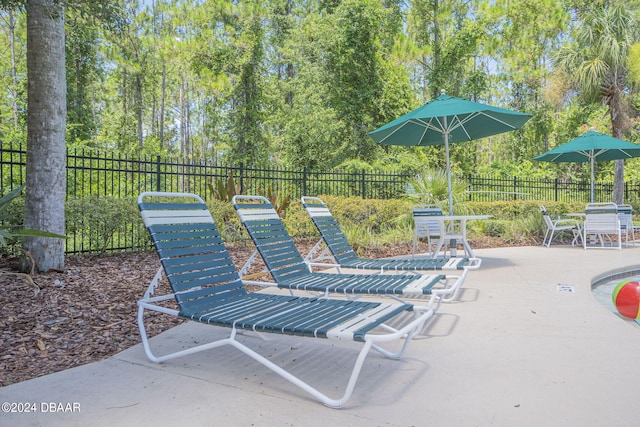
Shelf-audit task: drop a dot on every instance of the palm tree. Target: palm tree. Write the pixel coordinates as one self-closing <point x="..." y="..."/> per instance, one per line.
<point x="430" y="186"/>
<point x="597" y="63"/>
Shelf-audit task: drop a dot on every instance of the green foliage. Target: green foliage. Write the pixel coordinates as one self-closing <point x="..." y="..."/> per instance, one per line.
<point x="224" y="189"/>
<point x="518" y="221"/>
<point x="227" y="221"/>
<point x="430" y="186"/>
<point x="634" y="63"/>
<point x="298" y="223"/>
<point x="513" y="210"/>
<point x="11" y="220"/>
<point x="299" y="84"/>
<point x="97" y="220"/>
<point x="377" y="216"/>
<point x="356" y="73"/>
<point x="279" y="201"/>
<point x="370" y="224"/>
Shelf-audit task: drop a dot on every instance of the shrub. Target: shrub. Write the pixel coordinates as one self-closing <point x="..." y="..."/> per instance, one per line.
<point x="378" y="216"/>
<point x="227" y="221"/>
<point x="298" y="223"/>
<point x="95" y="220"/>
<point x="12" y="220"/>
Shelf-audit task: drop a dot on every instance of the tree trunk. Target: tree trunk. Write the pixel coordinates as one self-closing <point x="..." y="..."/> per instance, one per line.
<point x="437" y="50"/>
<point x="618" y="127"/>
<point x="618" y="182"/>
<point x="46" y="123"/>
<point x="139" y="111"/>
<point x="162" y="101"/>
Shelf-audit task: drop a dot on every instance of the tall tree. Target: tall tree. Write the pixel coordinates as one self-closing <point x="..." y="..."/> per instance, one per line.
<point x="46" y="122"/>
<point x="353" y="61"/>
<point x="12" y="72"/>
<point x="447" y="35"/>
<point x="598" y="65"/>
<point x="82" y="41"/>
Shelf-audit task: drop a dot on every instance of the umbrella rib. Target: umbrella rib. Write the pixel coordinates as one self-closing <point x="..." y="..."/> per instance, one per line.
<point x="460" y="123"/>
<point x="498" y="120"/>
<point x="481" y="113"/>
<point x="625" y="153"/>
<point x="457" y="122"/>
<point x="428" y="124"/>
<point x="396" y="130"/>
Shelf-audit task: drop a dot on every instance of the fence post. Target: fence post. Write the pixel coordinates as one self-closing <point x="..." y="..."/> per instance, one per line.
<point x="555" y="189"/>
<point x="515" y="188"/>
<point x="304" y="181"/>
<point x="241" y="178"/>
<point x="158" y="179"/>
<point x="362" y="184"/>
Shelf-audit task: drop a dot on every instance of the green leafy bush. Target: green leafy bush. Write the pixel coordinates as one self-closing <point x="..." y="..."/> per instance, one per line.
<point x="378" y="216"/>
<point x="494" y="228"/>
<point x="96" y="220"/>
<point x="12" y="219"/>
<point x="298" y="223"/>
<point x="227" y="221"/>
<point x="224" y="189"/>
<point x="431" y="186"/>
<point x="279" y="200"/>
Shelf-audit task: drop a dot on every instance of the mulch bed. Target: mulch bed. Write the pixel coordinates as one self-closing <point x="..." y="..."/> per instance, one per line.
<point x="88" y="312"/>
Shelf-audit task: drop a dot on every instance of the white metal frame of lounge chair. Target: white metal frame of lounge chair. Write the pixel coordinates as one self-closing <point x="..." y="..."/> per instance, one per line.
<point x="558" y="225"/>
<point x="208" y="289"/>
<point x="601" y="220"/>
<point x="341" y="254"/>
<point x="289" y="270"/>
<point x="625" y="215"/>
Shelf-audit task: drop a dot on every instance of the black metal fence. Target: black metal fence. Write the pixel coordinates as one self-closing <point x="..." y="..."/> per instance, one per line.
<point x="487" y="188"/>
<point x="94" y="175"/>
<point x="98" y="174"/>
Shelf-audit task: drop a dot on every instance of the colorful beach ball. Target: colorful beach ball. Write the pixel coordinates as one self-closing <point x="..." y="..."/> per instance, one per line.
<point x="626" y="298"/>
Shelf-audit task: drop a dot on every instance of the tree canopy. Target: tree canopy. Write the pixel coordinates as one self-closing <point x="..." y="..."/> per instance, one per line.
<point x="293" y="83"/>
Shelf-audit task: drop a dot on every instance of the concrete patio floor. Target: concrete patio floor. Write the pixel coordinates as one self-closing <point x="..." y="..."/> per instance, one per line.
<point x="516" y="350"/>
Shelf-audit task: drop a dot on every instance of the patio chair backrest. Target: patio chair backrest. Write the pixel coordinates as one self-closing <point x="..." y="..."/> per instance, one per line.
<point x="546" y="216"/>
<point x="601" y="218"/>
<point x="425" y="225"/>
<point x="266" y="229"/>
<point x="328" y="227"/>
<point x="625" y="215"/>
<point x="195" y="260"/>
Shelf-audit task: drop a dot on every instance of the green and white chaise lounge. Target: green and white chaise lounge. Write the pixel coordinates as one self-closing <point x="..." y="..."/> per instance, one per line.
<point x="207" y="289"/>
<point x="338" y="249"/>
<point x="289" y="270"/>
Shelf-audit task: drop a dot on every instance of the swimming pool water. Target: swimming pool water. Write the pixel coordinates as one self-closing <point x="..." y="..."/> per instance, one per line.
<point x="602" y="290"/>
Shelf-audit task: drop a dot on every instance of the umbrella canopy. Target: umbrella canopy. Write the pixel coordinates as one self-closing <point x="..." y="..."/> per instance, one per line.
<point x="446" y="120"/>
<point x="591" y="147"/>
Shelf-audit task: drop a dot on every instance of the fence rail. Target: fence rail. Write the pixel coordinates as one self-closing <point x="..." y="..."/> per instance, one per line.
<point x="94" y="174"/>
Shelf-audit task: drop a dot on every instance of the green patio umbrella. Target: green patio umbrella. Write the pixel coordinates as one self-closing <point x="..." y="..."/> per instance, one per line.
<point x="446" y="120"/>
<point x="591" y="147"/>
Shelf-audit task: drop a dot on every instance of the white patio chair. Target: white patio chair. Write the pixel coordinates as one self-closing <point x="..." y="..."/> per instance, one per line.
<point x="425" y="226"/>
<point x="601" y="220"/>
<point x="625" y="215"/>
<point x="557" y="225"/>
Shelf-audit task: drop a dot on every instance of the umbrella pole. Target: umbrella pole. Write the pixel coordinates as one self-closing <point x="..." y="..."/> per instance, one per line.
<point x="593" y="159"/>
<point x="453" y="243"/>
<point x="449" y="192"/>
<point x="445" y="136"/>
